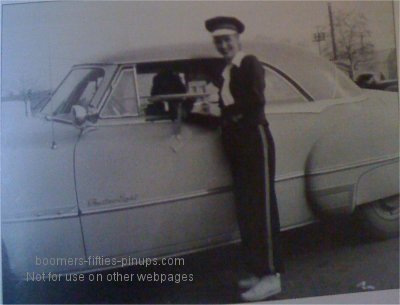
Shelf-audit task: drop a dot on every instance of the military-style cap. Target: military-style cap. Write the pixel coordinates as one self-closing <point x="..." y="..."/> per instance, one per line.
<point x="223" y="25"/>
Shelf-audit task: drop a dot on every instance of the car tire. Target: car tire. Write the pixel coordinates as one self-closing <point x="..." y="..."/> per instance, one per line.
<point x="379" y="219"/>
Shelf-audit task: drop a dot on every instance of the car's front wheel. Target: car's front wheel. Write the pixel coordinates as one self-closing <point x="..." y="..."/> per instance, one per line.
<point x="380" y="219"/>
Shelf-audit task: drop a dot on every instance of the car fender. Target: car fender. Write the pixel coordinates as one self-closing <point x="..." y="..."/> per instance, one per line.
<point x="40" y="215"/>
<point x="365" y="188"/>
<point x="354" y="156"/>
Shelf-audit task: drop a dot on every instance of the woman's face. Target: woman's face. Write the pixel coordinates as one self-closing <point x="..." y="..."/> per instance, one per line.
<point x="227" y="45"/>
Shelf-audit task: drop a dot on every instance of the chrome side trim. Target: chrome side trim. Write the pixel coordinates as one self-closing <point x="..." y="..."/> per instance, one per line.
<point x="373" y="161"/>
<point x="40" y="218"/>
<point x="289" y="176"/>
<point x="312" y="108"/>
<point x="333" y="190"/>
<point x="170" y="199"/>
<point x="299" y="174"/>
<point x="201" y="193"/>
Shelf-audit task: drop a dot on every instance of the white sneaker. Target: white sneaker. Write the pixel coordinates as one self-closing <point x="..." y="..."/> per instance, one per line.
<point x="248" y="282"/>
<point x="268" y="286"/>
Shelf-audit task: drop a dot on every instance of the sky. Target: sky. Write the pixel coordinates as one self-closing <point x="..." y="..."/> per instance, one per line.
<point x="41" y="41"/>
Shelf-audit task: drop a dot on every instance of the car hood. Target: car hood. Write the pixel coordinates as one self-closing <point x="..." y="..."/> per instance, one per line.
<point x="37" y="176"/>
<point x="18" y="129"/>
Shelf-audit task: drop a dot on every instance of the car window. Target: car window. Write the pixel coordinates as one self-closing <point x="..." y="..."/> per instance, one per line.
<point x="78" y="88"/>
<point x="122" y="101"/>
<point x="278" y="90"/>
<point x="145" y="81"/>
<point x="165" y="80"/>
<point x="155" y="85"/>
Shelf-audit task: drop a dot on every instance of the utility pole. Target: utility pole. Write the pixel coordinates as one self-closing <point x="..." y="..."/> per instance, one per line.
<point x="332" y="31"/>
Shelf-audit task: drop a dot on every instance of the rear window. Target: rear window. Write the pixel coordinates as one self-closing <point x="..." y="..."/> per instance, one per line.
<point x="316" y="75"/>
<point x="279" y="91"/>
<point x="323" y="80"/>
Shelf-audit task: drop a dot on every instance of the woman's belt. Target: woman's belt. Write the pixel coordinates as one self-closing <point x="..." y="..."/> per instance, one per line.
<point x="242" y="119"/>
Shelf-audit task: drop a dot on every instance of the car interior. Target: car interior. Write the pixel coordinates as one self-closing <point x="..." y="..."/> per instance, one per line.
<point x="165" y="88"/>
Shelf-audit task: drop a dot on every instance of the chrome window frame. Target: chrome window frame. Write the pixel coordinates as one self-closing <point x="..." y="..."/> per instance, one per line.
<point x="288" y="81"/>
<point x="77" y="67"/>
<point x="303" y="94"/>
<point x="291" y="81"/>
<point x="112" y="88"/>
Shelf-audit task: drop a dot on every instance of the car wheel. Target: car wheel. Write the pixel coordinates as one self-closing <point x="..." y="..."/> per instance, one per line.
<point x="380" y="219"/>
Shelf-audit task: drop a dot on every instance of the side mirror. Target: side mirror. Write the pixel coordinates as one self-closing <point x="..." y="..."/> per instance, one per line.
<point x="79" y="114"/>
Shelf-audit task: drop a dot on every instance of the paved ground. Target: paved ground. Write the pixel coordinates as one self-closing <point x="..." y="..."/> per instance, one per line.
<point x="319" y="261"/>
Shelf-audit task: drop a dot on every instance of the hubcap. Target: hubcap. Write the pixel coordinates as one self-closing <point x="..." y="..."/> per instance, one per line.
<point x="388" y="208"/>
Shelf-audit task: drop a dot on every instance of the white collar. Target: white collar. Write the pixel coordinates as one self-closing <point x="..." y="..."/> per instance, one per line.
<point x="237" y="59"/>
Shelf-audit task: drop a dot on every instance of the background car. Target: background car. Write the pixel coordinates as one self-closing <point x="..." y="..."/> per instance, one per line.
<point x="96" y="173"/>
<point x="376" y="81"/>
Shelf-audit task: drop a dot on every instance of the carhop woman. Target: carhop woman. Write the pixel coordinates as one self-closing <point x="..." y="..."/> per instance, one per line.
<point x="249" y="146"/>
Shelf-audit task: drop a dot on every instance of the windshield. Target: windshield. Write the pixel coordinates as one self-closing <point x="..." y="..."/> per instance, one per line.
<point x="78" y="88"/>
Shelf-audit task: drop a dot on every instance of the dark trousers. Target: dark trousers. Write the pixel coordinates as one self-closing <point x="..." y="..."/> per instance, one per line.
<point x="251" y="154"/>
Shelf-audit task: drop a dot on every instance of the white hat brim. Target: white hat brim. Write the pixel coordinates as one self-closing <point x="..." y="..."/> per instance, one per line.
<point x="221" y="32"/>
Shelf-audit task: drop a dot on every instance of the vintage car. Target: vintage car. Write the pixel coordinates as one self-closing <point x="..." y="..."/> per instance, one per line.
<point x="109" y="168"/>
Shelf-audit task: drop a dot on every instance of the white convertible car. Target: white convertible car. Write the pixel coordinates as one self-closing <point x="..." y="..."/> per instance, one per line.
<point x="109" y="168"/>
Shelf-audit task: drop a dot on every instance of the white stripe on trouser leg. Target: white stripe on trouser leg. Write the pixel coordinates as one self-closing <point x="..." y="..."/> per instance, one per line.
<point x="267" y="198"/>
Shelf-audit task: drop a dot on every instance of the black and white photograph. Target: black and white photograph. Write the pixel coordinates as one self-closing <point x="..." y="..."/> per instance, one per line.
<point x="199" y="152"/>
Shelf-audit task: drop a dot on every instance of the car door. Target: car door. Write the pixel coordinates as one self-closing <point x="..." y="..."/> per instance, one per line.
<point x="146" y="187"/>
